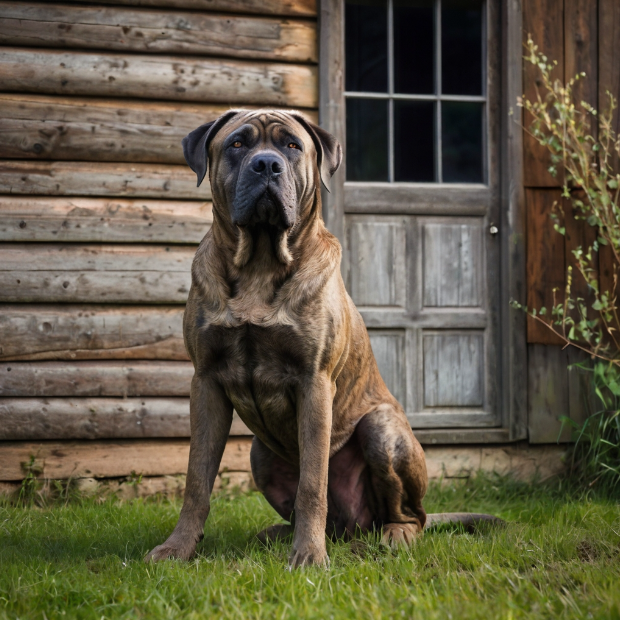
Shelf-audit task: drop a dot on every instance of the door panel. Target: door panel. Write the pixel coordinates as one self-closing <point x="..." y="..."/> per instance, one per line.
<point x="420" y="283"/>
<point x="452" y="259"/>
<point x="390" y="353"/>
<point x="453" y="370"/>
<point x="377" y="250"/>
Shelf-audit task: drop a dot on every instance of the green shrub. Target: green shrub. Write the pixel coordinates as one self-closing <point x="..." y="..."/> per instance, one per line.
<point x="585" y="149"/>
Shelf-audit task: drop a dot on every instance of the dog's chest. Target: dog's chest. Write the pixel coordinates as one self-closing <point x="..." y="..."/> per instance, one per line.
<point x="262" y="370"/>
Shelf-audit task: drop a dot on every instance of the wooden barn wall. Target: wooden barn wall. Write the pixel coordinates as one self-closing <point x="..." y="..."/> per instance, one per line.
<point x="100" y="216"/>
<point x="583" y="36"/>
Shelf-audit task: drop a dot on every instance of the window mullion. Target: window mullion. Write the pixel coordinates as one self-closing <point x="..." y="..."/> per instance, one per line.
<point x="390" y="91"/>
<point x="438" y="147"/>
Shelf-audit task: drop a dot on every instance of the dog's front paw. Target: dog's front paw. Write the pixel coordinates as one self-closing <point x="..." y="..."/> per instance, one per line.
<point x="308" y="555"/>
<point x="171" y="550"/>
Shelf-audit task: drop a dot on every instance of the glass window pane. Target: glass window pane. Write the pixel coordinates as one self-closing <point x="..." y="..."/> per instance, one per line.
<point x="414" y="140"/>
<point x="461" y="125"/>
<point x="461" y="47"/>
<point x="414" y="47"/>
<point x="366" y="45"/>
<point x="367" y="140"/>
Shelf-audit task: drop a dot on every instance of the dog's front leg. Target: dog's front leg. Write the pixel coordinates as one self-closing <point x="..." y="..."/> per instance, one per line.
<point x="210" y="421"/>
<point x="314" y="418"/>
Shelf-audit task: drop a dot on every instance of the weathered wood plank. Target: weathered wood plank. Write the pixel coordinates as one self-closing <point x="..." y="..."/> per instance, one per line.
<point x="81" y="257"/>
<point x="548" y="393"/>
<point x="74" y="332"/>
<point x="98" y="418"/>
<point x="453" y="371"/>
<point x="578" y="234"/>
<point x="402" y="198"/>
<point x="111" y="459"/>
<point x="50" y="273"/>
<point x="544" y="20"/>
<point x="59" y="128"/>
<point x="100" y="179"/>
<point x="512" y="359"/>
<point x="581" y="397"/>
<point x="268" y="7"/>
<point x="103" y="220"/>
<point x="452" y="265"/>
<point x="158" y="77"/>
<point x="95" y="379"/>
<point x="377" y="256"/>
<point x="164" y="32"/>
<point x="545" y="261"/>
<point x="580" y="50"/>
<point x="74" y="128"/>
<point x="609" y="58"/>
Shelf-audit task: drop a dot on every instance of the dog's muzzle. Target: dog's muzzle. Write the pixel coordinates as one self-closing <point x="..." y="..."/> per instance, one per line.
<point x="265" y="193"/>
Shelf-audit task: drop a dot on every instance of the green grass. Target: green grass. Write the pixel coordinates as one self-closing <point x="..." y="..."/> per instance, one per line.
<point x="559" y="557"/>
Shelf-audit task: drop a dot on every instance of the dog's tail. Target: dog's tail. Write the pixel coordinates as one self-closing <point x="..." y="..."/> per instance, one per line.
<point x="469" y="520"/>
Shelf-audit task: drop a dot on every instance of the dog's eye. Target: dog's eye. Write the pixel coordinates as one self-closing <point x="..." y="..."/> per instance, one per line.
<point x="237" y="144"/>
<point x="292" y="145"/>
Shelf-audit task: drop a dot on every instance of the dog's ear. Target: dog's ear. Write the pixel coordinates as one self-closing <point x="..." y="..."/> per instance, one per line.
<point x="196" y="144"/>
<point x="328" y="149"/>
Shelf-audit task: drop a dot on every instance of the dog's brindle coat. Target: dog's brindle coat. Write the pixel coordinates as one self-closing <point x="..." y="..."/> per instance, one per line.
<point x="273" y="334"/>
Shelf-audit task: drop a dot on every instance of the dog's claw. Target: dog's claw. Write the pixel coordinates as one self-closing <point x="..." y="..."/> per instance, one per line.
<point x="169" y="551"/>
<point x="400" y="534"/>
<point x="308" y="557"/>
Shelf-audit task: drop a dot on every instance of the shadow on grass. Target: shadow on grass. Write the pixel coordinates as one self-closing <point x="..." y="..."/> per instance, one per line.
<point x="86" y="530"/>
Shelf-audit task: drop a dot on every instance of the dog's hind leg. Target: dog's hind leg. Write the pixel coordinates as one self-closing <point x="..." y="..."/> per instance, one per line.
<point x="277" y="480"/>
<point x="398" y="478"/>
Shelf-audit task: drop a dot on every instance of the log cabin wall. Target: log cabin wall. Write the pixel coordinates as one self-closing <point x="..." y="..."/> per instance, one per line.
<point x="583" y="36"/>
<point x="100" y="216"/>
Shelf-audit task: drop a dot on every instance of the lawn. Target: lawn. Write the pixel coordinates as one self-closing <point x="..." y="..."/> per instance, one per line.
<point x="559" y="557"/>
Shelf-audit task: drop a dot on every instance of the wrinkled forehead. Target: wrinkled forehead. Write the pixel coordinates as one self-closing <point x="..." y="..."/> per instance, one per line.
<point x="266" y="124"/>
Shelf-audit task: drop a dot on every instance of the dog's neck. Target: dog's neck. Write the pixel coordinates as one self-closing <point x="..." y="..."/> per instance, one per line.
<point x="265" y="289"/>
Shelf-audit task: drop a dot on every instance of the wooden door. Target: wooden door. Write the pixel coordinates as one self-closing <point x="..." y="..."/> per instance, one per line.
<point x="419" y="218"/>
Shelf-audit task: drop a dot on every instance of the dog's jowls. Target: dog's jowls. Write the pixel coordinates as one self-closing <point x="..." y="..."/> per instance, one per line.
<point x="274" y="335"/>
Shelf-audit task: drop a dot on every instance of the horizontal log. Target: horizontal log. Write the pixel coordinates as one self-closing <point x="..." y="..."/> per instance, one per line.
<point x="98" y="418"/>
<point x="110" y="459"/>
<point x="158" y="77"/>
<point x="151" y="457"/>
<point x="267" y="7"/>
<point x="103" y="220"/>
<point x="167" y="32"/>
<point x="61" y="128"/>
<point x="101" y="378"/>
<point x="81" y="257"/>
<point x="50" y="273"/>
<point x="75" y="332"/>
<point x="100" y="179"/>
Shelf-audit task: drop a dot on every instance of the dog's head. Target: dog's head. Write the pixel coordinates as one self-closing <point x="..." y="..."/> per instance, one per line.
<point x="264" y="165"/>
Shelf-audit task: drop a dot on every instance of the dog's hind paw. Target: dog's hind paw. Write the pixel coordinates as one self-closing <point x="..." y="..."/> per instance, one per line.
<point x="400" y="534"/>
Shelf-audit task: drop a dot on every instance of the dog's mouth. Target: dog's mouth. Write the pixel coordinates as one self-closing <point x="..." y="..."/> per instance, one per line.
<point x="269" y="219"/>
<point x="269" y="209"/>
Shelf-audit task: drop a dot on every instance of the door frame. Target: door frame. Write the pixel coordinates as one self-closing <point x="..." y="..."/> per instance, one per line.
<point x="503" y="194"/>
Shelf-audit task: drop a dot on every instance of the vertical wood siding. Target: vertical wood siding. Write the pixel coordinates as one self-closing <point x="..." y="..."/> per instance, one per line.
<point x="582" y="35"/>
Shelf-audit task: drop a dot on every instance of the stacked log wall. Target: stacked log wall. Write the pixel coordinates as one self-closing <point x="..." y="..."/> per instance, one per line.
<point x="100" y="216"/>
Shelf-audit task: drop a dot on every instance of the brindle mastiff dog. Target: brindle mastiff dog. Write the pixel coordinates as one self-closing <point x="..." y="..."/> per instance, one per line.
<point x="274" y="335"/>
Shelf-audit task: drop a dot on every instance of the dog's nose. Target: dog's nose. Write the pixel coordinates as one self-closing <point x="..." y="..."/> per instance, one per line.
<point x="267" y="164"/>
